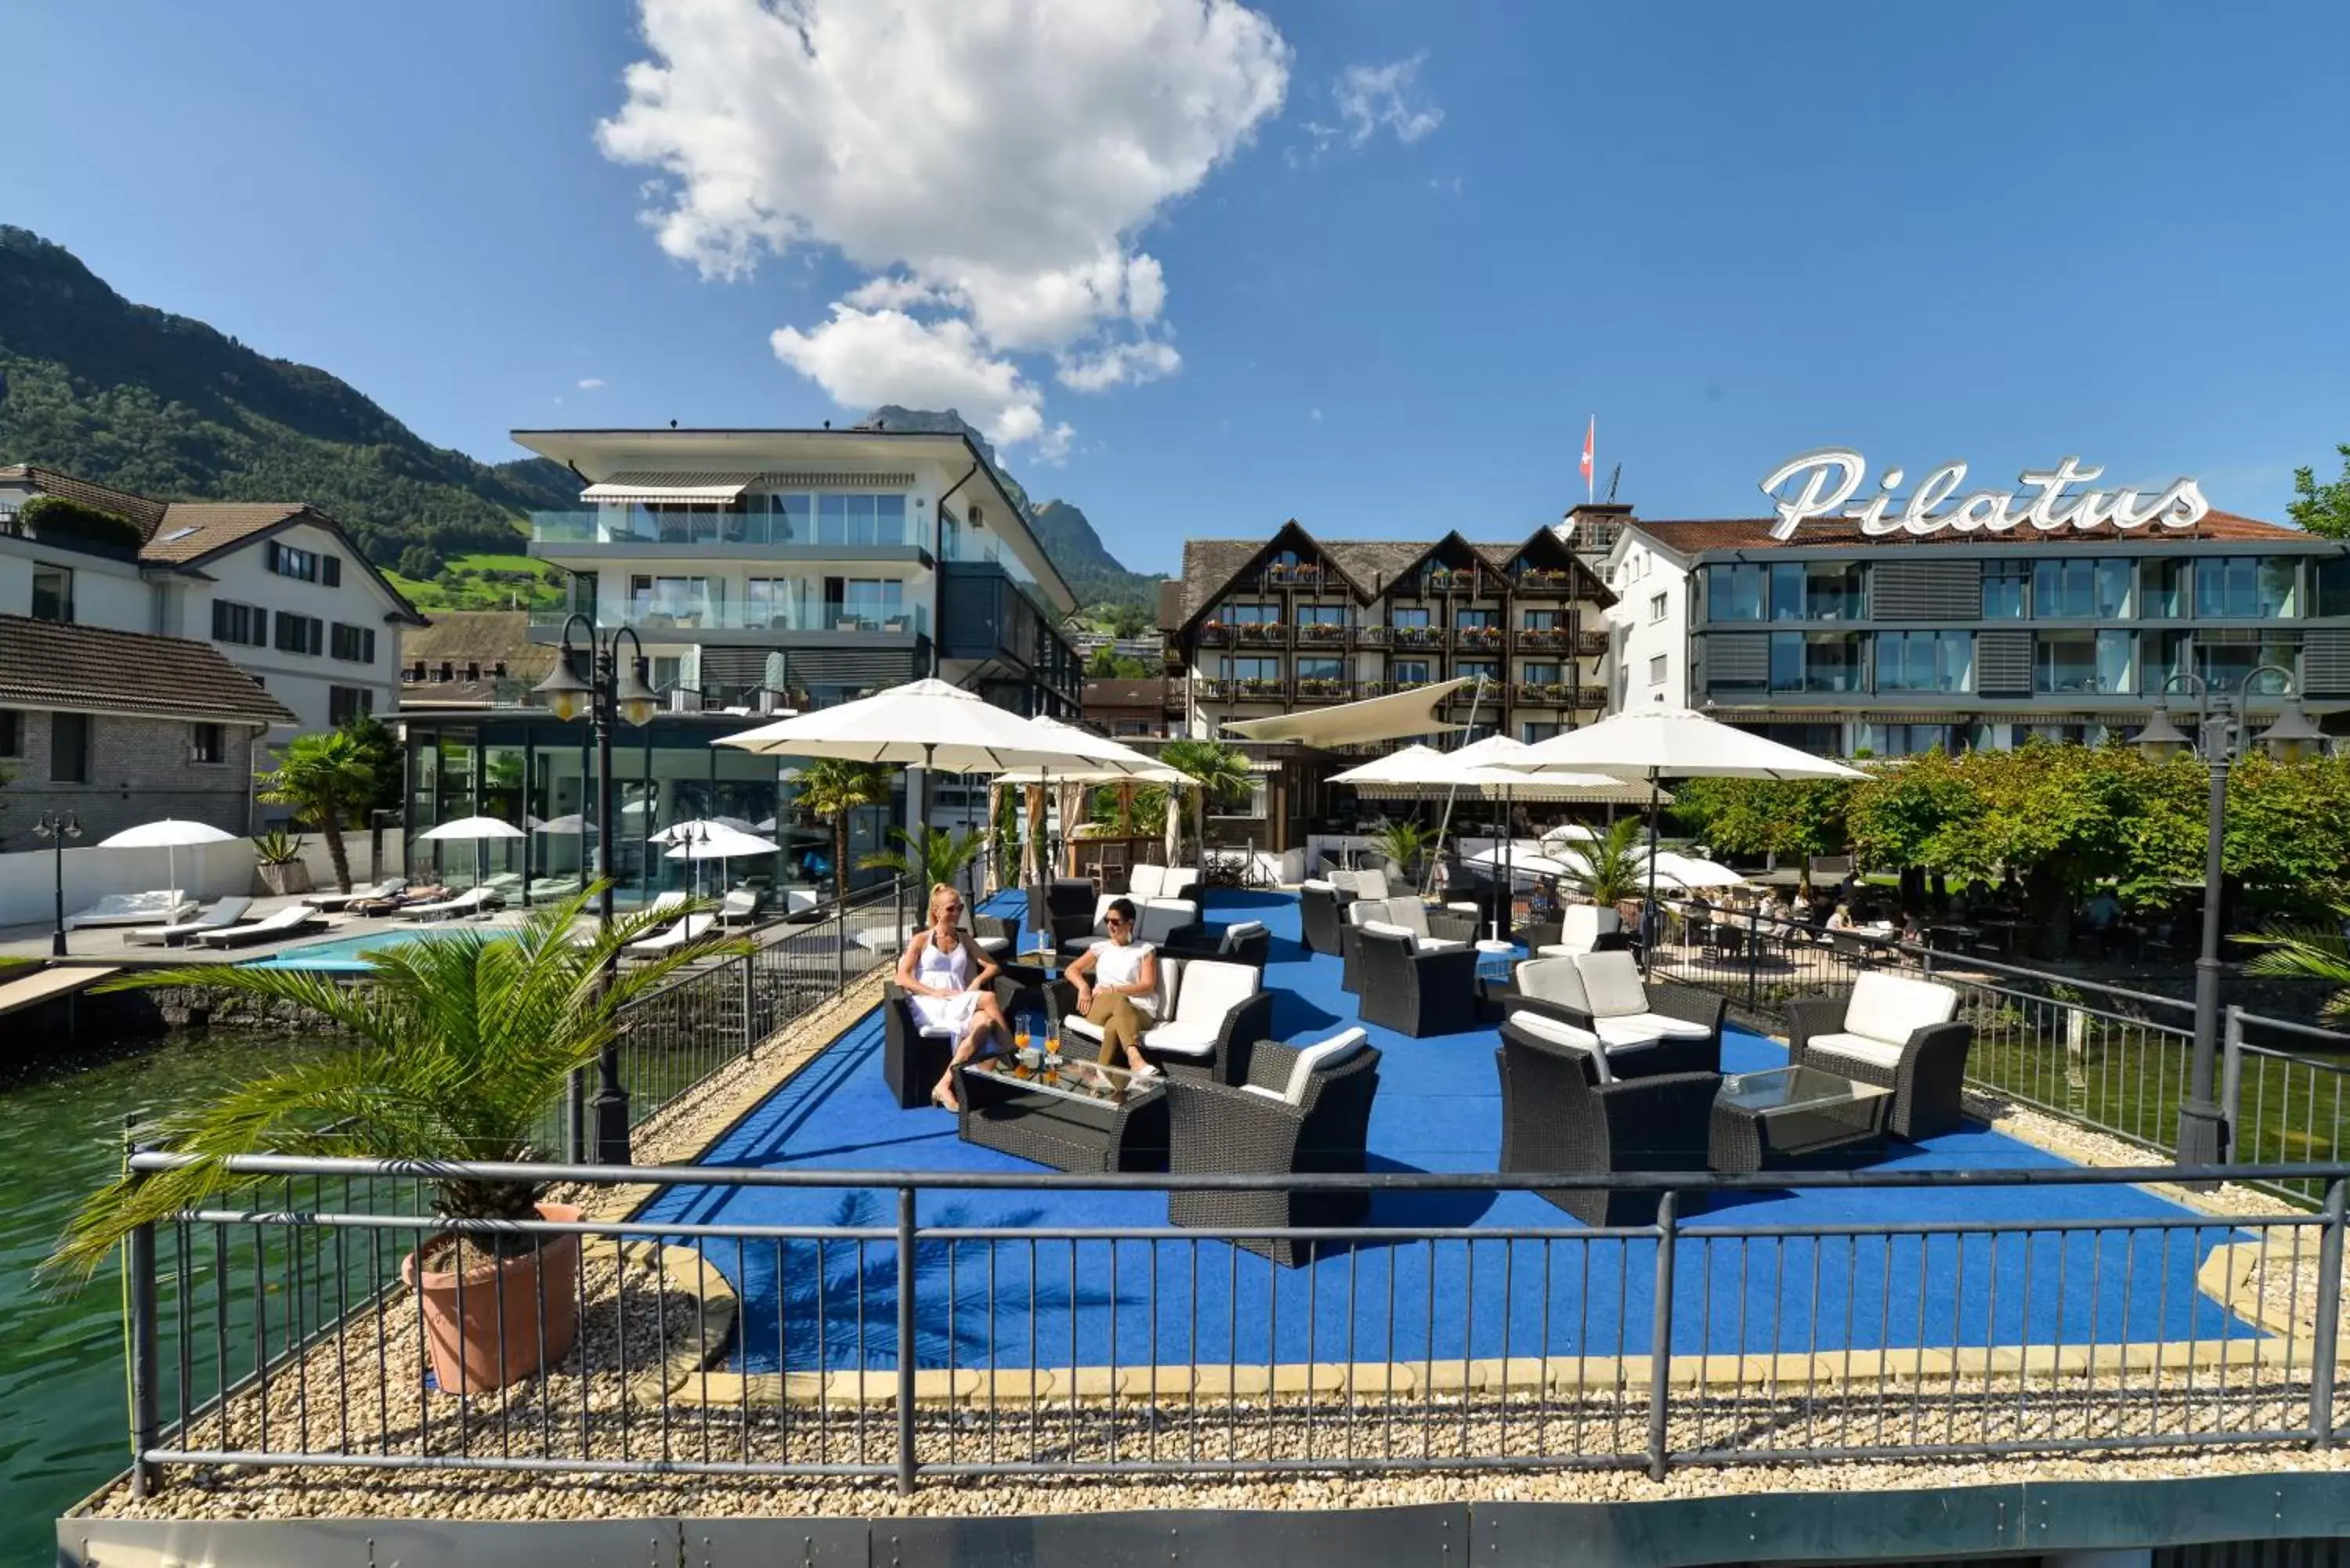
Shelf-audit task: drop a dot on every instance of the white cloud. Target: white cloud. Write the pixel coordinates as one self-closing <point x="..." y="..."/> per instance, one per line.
<point x="1371" y="99"/>
<point x="992" y="163"/>
<point x="867" y="357"/>
<point x="591" y="384"/>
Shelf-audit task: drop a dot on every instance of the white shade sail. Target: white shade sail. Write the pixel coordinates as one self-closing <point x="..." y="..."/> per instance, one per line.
<point x="169" y="833"/>
<point x="1674" y="743"/>
<point x="1390" y="717"/>
<point x="473" y="827"/>
<point x="929" y="724"/>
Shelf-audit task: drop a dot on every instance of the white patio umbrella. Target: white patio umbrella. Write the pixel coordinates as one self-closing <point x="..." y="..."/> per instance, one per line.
<point x="1672" y="743"/>
<point x="170" y="835"/>
<point x="679" y="832"/>
<point x="572" y="823"/>
<point x="476" y="828"/>
<point x="713" y="841"/>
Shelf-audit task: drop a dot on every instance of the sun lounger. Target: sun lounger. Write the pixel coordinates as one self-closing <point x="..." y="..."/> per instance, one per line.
<point x="229" y="912"/>
<point x="739" y="907"/>
<point x="285" y="922"/>
<point x="165" y="906"/>
<point x="387" y="888"/>
<point x="690" y="928"/>
<point x="472" y="902"/>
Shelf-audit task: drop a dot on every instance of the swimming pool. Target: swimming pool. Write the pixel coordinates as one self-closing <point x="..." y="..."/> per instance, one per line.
<point x="340" y="955"/>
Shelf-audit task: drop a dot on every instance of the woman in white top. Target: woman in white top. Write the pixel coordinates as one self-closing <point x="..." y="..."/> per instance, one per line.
<point x="1842" y="919"/>
<point x="946" y="979"/>
<point x="1107" y="977"/>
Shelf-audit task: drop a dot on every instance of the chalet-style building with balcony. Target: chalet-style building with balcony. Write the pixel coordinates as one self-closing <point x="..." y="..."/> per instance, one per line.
<point x="1258" y="627"/>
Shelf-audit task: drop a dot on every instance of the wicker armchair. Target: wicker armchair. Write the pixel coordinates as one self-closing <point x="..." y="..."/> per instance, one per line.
<point x="914" y="1058"/>
<point x="1897" y="1033"/>
<point x="1558" y="1117"/>
<point x="1320" y="906"/>
<point x="1650" y="1025"/>
<point x="1300" y="1110"/>
<point x="1242" y="941"/>
<point x="1412" y="991"/>
<point x="1059" y="911"/>
<point x="1428" y="926"/>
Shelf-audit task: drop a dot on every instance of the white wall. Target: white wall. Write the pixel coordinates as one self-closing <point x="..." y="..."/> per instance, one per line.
<point x="301" y="681"/>
<point x="1641" y="574"/>
<point x="106" y="592"/>
<point x="26" y="879"/>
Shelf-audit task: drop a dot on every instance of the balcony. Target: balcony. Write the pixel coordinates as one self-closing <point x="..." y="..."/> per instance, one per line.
<point x="1259" y="688"/>
<point x="1427" y="637"/>
<point x="690" y="615"/>
<point x="1215" y="634"/>
<point x="1323" y="634"/>
<point x="635" y="530"/>
<point x="1309" y="577"/>
<point x="1207" y="690"/>
<point x="1591" y="643"/>
<point x="1261" y="634"/>
<point x="1478" y="638"/>
<point x="1544" y="582"/>
<point x="1544" y="638"/>
<point x="1176" y="697"/>
<point x="1547" y="693"/>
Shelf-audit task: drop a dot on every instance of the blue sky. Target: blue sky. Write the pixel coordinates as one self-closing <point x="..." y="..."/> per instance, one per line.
<point x="2000" y="233"/>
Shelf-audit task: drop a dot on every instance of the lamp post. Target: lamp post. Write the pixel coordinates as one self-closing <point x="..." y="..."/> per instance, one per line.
<point x="613" y="693"/>
<point x="2221" y="725"/>
<point x="58" y="827"/>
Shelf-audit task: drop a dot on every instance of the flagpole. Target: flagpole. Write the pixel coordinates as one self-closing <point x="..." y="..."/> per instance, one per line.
<point x="1591" y="460"/>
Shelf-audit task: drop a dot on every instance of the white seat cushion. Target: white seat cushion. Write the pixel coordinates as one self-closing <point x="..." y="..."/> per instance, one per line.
<point x="1439" y="944"/>
<point x="1410" y="913"/>
<point x="1566" y="1035"/>
<point x="1371" y="884"/>
<point x="1263" y="1093"/>
<point x="1146" y="881"/>
<point x="1183" y="1037"/>
<point x="1240" y="931"/>
<point x="1177" y="881"/>
<point x="1890" y="1007"/>
<point x="1612" y="982"/>
<point x="1554" y="978"/>
<point x="1318" y="1057"/>
<point x="1639" y="1028"/>
<point x="1156" y="919"/>
<point x="1384" y="928"/>
<point x="992" y="944"/>
<point x="1859" y="1047"/>
<point x="1084" y="1026"/>
<point x="1211" y="990"/>
<point x="1317" y="885"/>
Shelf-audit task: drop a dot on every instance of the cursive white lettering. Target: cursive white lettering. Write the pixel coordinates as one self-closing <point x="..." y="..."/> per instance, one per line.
<point x="1815" y="500"/>
<point x="1829" y="477"/>
<point x="1933" y="491"/>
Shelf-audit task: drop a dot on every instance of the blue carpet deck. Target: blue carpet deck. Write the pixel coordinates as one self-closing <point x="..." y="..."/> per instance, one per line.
<point x="1008" y="1304"/>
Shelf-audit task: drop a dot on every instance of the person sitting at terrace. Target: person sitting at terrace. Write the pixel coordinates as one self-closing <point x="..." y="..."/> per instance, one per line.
<point x="433" y="893"/>
<point x="2104" y="910"/>
<point x="1841" y="921"/>
<point x="945" y="978"/>
<point x="1108" y="977"/>
<point x="1913" y="930"/>
<point x="1800" y="911"/>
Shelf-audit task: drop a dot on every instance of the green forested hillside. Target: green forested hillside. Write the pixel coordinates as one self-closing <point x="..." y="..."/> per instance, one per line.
<point x="136" y="397"/>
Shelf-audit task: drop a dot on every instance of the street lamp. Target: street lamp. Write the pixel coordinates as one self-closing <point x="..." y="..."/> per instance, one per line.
<point x="58" y="826"/>
<point x="612" y="694"/>
<point x="2221" y="726"/>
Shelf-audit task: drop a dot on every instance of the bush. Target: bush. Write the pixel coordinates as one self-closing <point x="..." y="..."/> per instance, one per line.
<point x="70" y="522"/>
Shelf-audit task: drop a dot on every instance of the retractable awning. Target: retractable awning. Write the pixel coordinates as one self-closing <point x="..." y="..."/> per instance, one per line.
<point x="1388" y="718"/>
<point x="673" y="488"/>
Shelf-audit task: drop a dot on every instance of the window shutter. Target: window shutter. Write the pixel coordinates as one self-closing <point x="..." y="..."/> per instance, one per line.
<point x="334" y="571"/>
<point x="276" y="563"/>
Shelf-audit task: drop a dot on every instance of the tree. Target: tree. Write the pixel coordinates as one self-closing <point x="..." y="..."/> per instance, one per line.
<point x="388" y="763"/>
<point x="927" y="857"/>
<point x="2311" y="952"/>
<point x="1107" y="664"/>
<point x="1128" y="621"/>
<point x="2321" y="508"/>
<point x="1609" y="870"/>
<point x="1402" y="843"/>
<point x="1218" y="773"/>
<point x="830" y="789"/>
<point x="458" y="1046"/>
<point x="1767" y="816"/>
<point x="322" y="777"/>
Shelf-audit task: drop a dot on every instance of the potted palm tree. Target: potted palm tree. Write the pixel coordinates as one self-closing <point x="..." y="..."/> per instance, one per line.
<point x="279" y="863"/>
<point x="830" y="789"/>
<point x="1218" y="771"/>
<point x="458" y="1045"/>
<point x="926" y="857"/>
<point x="1402" y="843"/>
<point x="323" y="776"/>
<point x="1608" y="870"/>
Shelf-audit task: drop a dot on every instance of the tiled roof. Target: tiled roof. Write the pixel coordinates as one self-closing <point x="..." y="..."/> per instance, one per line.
<point x="210" y="526"/>
<point x="1687" y="535"/>
<point x="481" y="641"/>
<point x="47" y="664"/>
<point x="1373" y="565"/>
<point x="104" y="498"/>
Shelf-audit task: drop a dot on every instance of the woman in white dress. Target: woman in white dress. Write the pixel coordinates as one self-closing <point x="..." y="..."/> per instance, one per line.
<point x="946" y="979"/>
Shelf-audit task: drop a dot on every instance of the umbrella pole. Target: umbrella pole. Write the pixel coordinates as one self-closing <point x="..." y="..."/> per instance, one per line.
<point x="1649" y="934"/>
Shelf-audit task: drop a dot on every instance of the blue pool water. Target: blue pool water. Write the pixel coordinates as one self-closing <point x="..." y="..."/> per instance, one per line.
<point x="2111" y="1273"/>
<point x="338" y="955"/>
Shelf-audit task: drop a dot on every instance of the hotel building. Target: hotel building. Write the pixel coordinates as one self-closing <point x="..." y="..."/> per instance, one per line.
<point x="1849" y="644"/>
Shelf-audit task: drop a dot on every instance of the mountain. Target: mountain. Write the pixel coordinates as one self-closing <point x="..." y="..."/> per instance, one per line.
<point x="138" y="398"/>
<point x="1093" y="574"/>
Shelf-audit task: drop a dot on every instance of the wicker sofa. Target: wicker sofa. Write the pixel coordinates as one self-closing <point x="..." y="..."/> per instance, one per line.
<point x="1242" y="941"/>
<point x="914" y="1058"/>
<point x="1059" y="911"/>
<point x="1321" y="913"/>
<point x="1896" y="1032"/>
<point x="1297" y="1109"/>
<point x="1413" y="990"/>
<point x="1646" y="1025"/>
<point x="1205" y="1017"/>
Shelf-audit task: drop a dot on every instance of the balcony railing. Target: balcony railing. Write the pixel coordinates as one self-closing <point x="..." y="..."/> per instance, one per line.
<point x="1546" y="580"/>
<point x="716" y="530"/>
<point x="1302" y="577"/>
<point x="1415" y="637"/>
<point x="1262" y="633"/>
<point x="1477" y="636"/>
<point x="1259" y="688"/>
<point x="1323" y="689"/>
<point x="1323" y="633"/>
<point x="707" y="615"/>
<point x="1536" y="639"/>
<point x="1177" y="698"/>
<point x="1546" y="693"/>
<point x="1591" y="642"/>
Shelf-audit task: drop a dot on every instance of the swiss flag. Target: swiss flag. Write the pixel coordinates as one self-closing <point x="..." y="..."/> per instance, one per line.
<point x="1590" y="435"/>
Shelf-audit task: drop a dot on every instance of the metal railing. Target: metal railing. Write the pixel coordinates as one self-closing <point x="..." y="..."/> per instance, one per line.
<point x="2281" y="1107"/>
<point x="904" y="1337"/>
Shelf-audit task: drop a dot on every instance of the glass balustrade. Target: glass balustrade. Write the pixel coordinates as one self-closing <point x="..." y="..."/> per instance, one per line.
<point x="826" y="529"/>
<point x="648" y="615"/>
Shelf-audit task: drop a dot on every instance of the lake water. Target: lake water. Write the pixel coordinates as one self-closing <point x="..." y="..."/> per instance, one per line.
<point x="61" y="1382"/>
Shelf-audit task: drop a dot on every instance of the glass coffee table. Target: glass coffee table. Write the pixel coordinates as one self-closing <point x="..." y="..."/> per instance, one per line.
<point x="1071" y="1116"/>
<point x="1783" y="1115"/>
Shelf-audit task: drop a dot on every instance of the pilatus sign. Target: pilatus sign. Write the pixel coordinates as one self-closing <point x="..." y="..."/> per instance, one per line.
<point x="1819" y="484"/>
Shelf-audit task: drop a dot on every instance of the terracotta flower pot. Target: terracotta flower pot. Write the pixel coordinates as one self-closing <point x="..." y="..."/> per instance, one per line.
<point x="469" y="1354"/>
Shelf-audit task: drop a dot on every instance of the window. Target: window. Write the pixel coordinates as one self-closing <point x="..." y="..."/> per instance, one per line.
<point x="1925" y="661"/>
<point x="1820" y="740"/>
<point x="1251" y="615"/>
<point x="1815" y="662"/>
<point x="1477" y="668"/>
<point x="864" y="604"/>
<point x="344" y="702"/>
<point x="354" y="644"/>
<point x="1734" y="592"/>
<point x="11" y="732"/>
<point x="69" y="748"/>
<point x="1910" y="739"/>
<point x="247" y="625"/>
<point x="2066" y="662"/>
<point x="206" y="743"/>
<point x="2162" y="589"/>
<point x="1655" y="669"/>
<point x="1321" y="669"/>
<point x="860" y="520"/>
<point x="52" y="594"/>
<point x="1321" y="615"/>
<point x="2330" y="586"/>
<point x="2244" y="587"/>
<point x="1541" y="673"/>
<point x="299" y="633"/>
<point x="1408" y="671"/>
<point x="1475" y="620"/>
<point x="331" y="571"/>
<point x="1416" y="616"/>
<point x="1534" y="730"/>
<point x="2226" y="665"/>
<point x="289" y="562"/>
<point x="1545" y="620"/>
<point x="1814" y="590"/>
<point x="2080" y="589"/>
<point x="1256" y="668"/>
<point x="668" y="672"/>
<point x="2002" y="590"/>
<point x="2168" y="654"/>
<point x="678" y="601"/>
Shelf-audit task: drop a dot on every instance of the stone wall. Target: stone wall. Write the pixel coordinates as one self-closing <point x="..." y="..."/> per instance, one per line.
<point x="139" y="770"/>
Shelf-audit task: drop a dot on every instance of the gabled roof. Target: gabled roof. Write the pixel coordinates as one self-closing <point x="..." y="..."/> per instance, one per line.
<point x="193" y="531"/>
<point x="1687" y="536"/>
<point x="1368" y="566"/>
<point x="53" y="665"/>
<point x="1221" y="561"/>
<point x="138" y="509"/>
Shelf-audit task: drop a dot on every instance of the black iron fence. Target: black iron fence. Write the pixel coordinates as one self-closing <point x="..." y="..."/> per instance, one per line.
<point x="902" y="1339"/>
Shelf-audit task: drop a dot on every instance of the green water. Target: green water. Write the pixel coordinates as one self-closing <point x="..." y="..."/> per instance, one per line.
<point x="62" y="1430"/>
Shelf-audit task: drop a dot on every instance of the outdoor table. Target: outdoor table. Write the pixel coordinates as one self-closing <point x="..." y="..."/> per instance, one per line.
<point x="1071" y="1116"/>
<point x="1778" y="1118"/>
<point x="1497" y="962"/>
<point x="1031" y="972"/>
